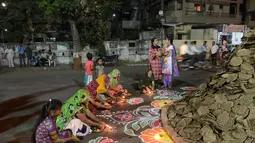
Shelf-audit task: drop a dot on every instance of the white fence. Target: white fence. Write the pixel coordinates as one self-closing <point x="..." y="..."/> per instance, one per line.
<point x="128" y="50"/>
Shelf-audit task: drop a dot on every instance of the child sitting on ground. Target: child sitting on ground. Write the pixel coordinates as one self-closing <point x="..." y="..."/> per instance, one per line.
<point x="88" y="69"/>
<point x="147" y="83"/>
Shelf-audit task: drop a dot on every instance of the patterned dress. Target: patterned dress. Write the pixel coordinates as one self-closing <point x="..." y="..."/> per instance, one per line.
<point x="170" y="67"/>
<point x="155" y="63"/>
<point x="71" y="107"/>
<point x="45" y="128"/>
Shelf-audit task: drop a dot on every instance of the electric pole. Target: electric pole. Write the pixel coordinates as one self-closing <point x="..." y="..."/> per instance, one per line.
<point x="161" y="14"/>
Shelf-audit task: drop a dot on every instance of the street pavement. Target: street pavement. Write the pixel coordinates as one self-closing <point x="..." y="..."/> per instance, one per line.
<point x="23" y="92"/>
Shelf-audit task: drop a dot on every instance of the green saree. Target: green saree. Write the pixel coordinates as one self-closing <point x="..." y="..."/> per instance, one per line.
<point x="71" y="107"/>
<point x="113" y="79"/>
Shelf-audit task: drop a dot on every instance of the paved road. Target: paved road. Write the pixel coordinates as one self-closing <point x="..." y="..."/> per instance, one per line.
<point x="23" y="92"/>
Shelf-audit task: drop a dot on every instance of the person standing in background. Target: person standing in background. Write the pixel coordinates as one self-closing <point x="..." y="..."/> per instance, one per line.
<point x="155" y="59"/>
<point x="89" y="67"/>
<point x="10" y="55"/>
<point x="214" y="51"/>
<point x="170" y="67"/>
<point x="21" y="51"/>
<point x="29" y="54"/>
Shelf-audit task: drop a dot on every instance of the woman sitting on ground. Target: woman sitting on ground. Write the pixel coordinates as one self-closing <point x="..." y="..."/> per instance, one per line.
<point x="102" y="91"/>
<point x="95" y="99"/>
<point x="147" y="83"/>
<point x="77" y="107"/>
<point x="114" y="87"/>
<point x="45" y="129"/>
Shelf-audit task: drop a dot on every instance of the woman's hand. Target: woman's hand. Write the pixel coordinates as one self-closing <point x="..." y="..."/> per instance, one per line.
<point x="102" y="125"/>
<point x="152" y="88"/>
<point x="158" y="54"/>
<point x="107" y="105"/>
<point x="74" y="138"/>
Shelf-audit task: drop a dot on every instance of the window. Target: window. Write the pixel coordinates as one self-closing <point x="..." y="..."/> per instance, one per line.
<point x="211" y="8"/>
<point x="179" y="5"/>
<point x="221" y="6"/>
<point x="253" y="17"/>
<point x="198" y="7"/>
<point x="131" y="44"/>
<point x="179" y="37"/>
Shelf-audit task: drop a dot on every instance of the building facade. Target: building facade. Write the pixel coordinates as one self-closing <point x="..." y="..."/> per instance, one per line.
<point x="250" y="13"/>
<point x="193" y="16"/>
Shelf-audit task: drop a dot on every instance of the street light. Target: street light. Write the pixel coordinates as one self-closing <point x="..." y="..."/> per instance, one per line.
<point x="3" y="4"/>
<point x="114" y="15"/>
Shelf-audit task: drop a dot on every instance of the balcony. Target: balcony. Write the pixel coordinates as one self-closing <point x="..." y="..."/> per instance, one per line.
<point x="202" y="17"/>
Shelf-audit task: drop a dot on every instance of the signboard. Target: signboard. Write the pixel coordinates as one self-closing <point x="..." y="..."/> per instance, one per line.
<point x="213" y="1"/>
<point x="233" y="28"/>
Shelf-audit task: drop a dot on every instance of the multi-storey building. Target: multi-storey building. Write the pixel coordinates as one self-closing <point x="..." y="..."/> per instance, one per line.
<point x="250" y="13"/>
<point x="192" y="14"/>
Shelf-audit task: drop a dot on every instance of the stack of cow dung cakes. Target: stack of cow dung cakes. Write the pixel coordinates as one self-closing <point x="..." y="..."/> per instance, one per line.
<point x="223" y="109"/>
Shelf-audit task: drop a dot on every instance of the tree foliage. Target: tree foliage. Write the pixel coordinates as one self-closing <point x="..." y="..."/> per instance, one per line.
<point x="91" y="16"/>
<point x="20" y="17"/>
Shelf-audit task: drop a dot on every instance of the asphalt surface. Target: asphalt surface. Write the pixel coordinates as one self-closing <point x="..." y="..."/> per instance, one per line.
<point x="22" y="93"/>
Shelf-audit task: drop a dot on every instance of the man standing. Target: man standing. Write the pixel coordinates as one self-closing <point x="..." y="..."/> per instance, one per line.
<point x="10" y="55"/>
<point x="21" y="51"/>
<point x="203" y="51"/>
<point x="29" y="54"/>
<point x="203" y="48"/>
<point x="1" y="55"/>
<point x="214" y="51"/>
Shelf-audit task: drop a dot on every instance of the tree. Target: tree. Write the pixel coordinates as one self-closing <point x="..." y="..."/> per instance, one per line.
<point x="20" y="17"/>
<point x="87" y="16"/>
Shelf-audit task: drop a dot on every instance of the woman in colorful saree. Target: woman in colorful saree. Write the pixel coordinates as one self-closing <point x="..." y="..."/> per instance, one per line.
<point x="155" y="59"/>
<point x="76" y="107"/>
<point x="147" y="83"/>
<point x="95" y="99"/>
<point x="102" y="91"/>
<point x="114" y="86"/>
<point x="45" y="130"/>
<point x="170" y="67"/>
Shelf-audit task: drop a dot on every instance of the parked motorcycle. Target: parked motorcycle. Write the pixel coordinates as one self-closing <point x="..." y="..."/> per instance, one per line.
<point x="112" y="60"/>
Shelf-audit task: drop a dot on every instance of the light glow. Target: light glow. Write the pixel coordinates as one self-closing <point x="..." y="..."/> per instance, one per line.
<point x="3" y="4"/>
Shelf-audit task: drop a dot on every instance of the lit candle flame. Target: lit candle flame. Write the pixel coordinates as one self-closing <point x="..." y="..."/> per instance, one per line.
<point x="108" y="126"/>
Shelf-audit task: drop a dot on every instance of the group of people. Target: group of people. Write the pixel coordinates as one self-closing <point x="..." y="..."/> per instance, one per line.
<point x="73" y="120"/>
<point x="26" y="56"/>
<point x="163" y="65"/>
<point x="199" y="55"/>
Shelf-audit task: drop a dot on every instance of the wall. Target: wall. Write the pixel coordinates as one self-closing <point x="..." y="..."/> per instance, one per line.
<point x="189" y="15"/>
<point x="147" y="35"/>
<point x="126" y="49"/>
<point x="140" y="51"/>
<point x="207" y="34"/>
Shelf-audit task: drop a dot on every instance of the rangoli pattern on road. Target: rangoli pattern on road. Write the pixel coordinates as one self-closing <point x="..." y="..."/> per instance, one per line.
<point x="143" y="121"/>
<point x="102" y="140"/>
<point x="135" y="101"/>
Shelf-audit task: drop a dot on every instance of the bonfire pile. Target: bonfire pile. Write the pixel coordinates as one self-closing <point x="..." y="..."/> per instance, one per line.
<point x="223" y="109"/>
